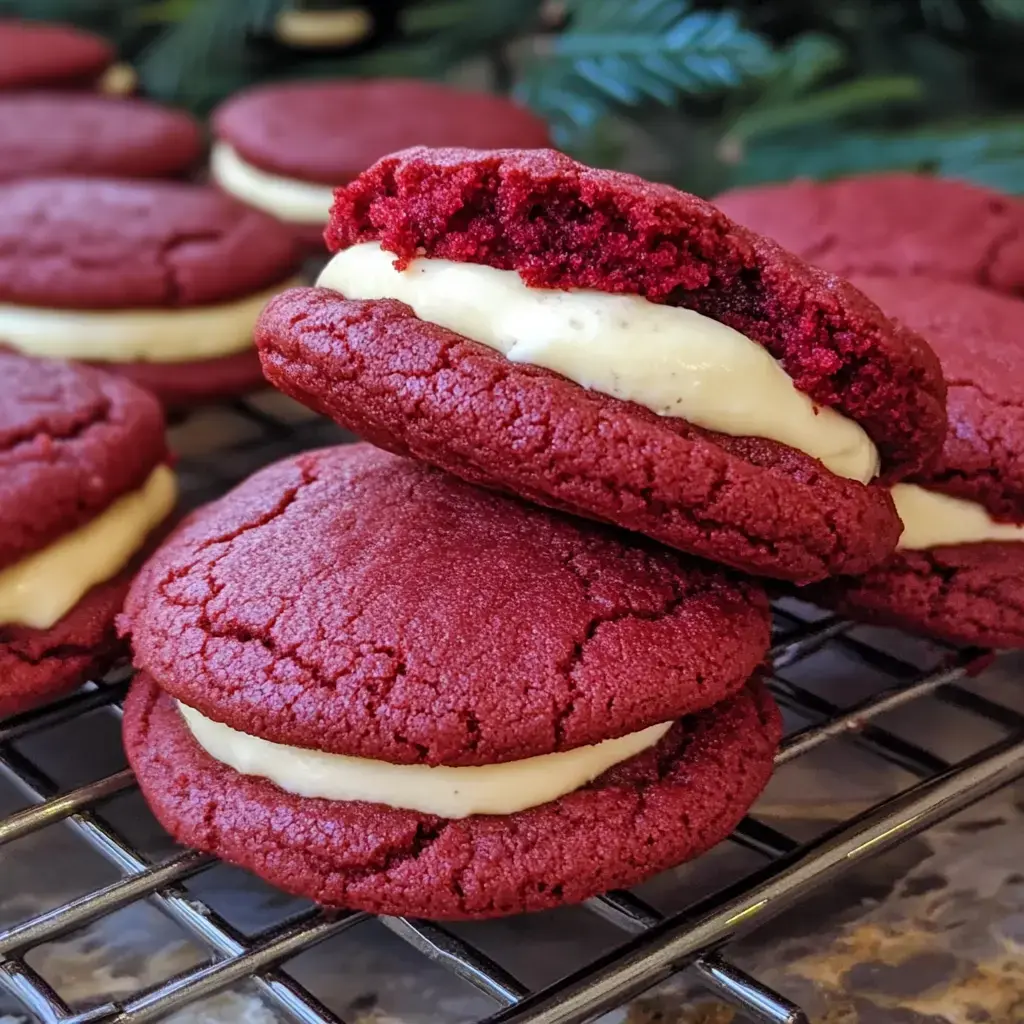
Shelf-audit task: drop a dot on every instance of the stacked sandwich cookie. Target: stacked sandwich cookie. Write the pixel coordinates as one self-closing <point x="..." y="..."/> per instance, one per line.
<point x="382" y="688"/>
<point x="616" y="349"/>
<point x="959" y="571"/>
<point x="84" y="482"/>
<point x="158" y="281"/>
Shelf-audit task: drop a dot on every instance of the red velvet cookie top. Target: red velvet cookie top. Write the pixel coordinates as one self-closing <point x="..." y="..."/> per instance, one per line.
<point x="101" y="243"/>
<point x="72" y="440"/>
<point x="354" y="602"/>
<point x="34" y="54"/>
<point x="564" y="225"/>
<point x="893" y="224"/>
<point x="977" y="335"/>
<point x="90" y="135"/>
<point x="329" y="132"/>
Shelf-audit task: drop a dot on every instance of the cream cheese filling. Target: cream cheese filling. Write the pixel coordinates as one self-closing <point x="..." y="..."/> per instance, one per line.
<point x="43" y="587"/>
<point x="674" y="361"/>
<point x="136" y="335"/>
<point x="931" y="520"/>
<point x="287" y="199"/>
<point x="447" y="792"/>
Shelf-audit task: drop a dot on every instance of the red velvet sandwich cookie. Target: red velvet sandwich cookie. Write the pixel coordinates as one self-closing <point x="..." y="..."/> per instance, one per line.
<point x="893" y="224"/>
<point x="158" y="281"/>
<point x="382" y="688"/>
<point x="614" y="348"/>
<point x="958" y="573"/>
<point x="89" y="135"/>
<point x="283" y="148"/>
<point x="83" y="482"/>
<point x="38" y="55"/>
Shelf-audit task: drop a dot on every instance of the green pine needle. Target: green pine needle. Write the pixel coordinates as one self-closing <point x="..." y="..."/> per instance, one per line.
<point x="616" y="54"/>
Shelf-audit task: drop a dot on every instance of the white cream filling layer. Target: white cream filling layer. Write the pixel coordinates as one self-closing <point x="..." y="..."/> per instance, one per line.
<point x="136" y="335"/>
<point x="287" y="199"/>
<point x="673" y="361"/>
<point x="42" y="588"/>
<point x="447" y="792"/>
<point x="931" y="520"/>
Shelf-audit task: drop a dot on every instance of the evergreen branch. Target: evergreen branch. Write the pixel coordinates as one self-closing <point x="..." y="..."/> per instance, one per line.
<point x="828" y="104"/>
<point x="617" y="55"/>
<point x="984" y="150"/>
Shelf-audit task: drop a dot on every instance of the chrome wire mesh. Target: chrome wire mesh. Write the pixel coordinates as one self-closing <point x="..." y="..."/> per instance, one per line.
<point x="222" y="446"/>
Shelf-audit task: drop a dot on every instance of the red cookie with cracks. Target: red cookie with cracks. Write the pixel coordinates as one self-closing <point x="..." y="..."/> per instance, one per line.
<point x="416" y="388"/>
<point x="355" y="603"/>
<point x="965" y="593"/>
<point x="116" y="248"/>
<point x="72" y="441"/>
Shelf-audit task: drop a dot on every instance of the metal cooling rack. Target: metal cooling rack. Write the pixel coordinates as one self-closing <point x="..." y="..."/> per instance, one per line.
<point x="653" y="946"/>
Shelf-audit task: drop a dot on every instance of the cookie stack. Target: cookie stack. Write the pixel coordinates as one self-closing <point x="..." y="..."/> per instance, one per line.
<point x="947" y="259"/>
<point x="507" y="673"/>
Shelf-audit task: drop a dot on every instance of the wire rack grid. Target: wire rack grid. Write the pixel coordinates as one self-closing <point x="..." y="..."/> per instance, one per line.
<point x="652" y="945"/>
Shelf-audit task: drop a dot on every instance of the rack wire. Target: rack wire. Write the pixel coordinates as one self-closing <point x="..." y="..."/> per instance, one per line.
<point x="653" y="946"/>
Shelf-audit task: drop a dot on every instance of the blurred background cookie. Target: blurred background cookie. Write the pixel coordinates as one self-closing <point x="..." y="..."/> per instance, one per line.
<point x="284" y="148"/>
<point x="89" y="135"/>
<point x="159" y="281"/>
<point x="35" y="54"/>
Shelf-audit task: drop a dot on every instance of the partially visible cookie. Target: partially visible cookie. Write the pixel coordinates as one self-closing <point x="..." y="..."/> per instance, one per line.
<point x="380" y="687"/>
<point x="35" y="54"/>
<point x="84" y="481"/>
<point x="283" y="148"/>
<point x="958" y="573"/>
<point x="116" y="272"/>
<point x="893" y="224"/>
<point x="94" y="136"/>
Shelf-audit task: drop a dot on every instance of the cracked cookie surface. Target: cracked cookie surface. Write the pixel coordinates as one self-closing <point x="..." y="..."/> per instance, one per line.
<point x="353" y="602"/>
<point x="893" y="224"/>
<point x="72" y="440"/>
<point x="967" y="593"/>
<point x="80" y="243"/>
<point x="643" y="816"/>
<point x="416" y="388"/>
<point x="89" y="135"/>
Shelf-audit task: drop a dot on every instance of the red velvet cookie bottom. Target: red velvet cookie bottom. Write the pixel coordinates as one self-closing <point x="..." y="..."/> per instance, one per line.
<point x="643" y="816"/>
<point x="38" y="664"/>
<point x="179" y="385"/>
<point x="969" y="593"/>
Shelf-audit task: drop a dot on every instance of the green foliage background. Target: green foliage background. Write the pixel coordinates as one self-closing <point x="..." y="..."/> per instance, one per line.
<point x="703" y="93"/>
